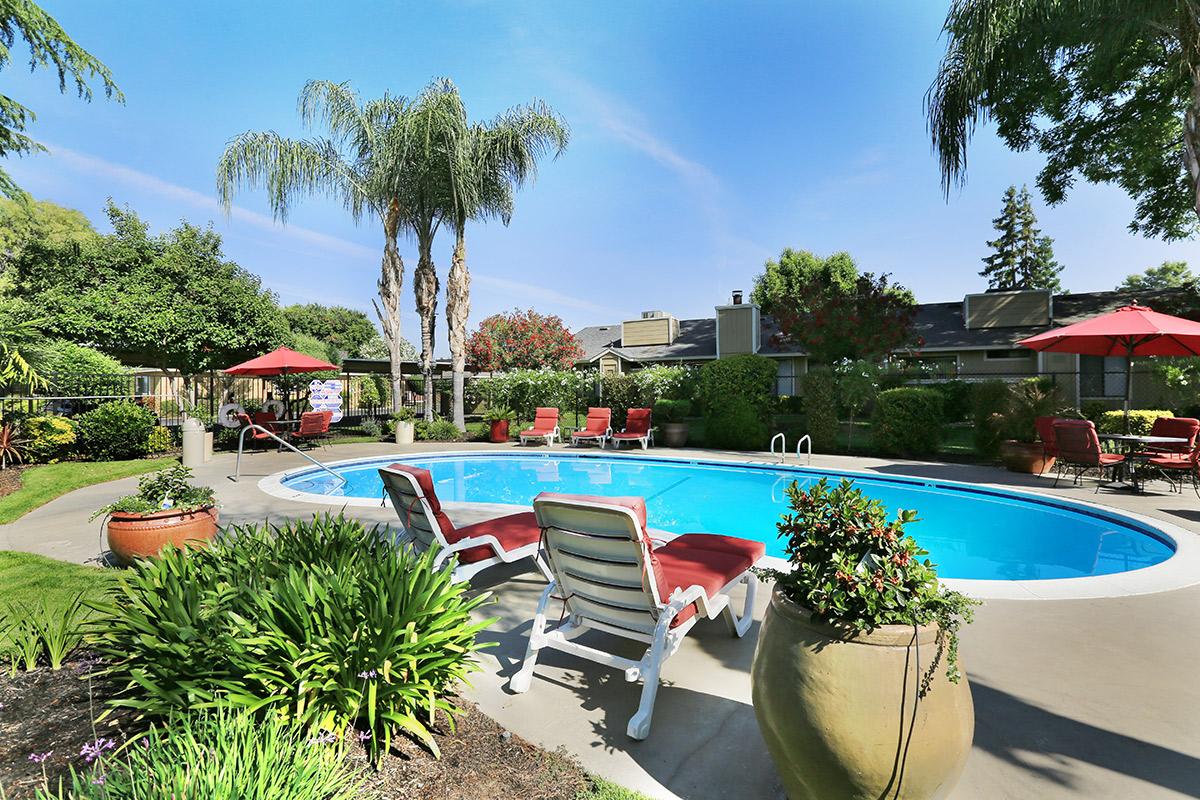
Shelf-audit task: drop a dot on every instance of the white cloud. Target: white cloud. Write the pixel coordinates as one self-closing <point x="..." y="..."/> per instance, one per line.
<point x="526" y="292"/>
<point x="146" y="182"/>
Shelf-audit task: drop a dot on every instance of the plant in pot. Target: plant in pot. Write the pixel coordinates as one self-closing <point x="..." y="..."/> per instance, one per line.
<point x="498" y="420"/>
<point x="405" y="429"/>
<point x="856" y="681"/>
<point x="166" y="510"/>
<point x="670" y="414"/>
<point x="1020" y="448"/>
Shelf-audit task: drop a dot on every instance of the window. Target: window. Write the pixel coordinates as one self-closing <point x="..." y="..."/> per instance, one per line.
<point x="1101" y="376"/>
<point x="141" y="385"/>
<point x="785" y="378"/>
<point x="1007" y="355"/>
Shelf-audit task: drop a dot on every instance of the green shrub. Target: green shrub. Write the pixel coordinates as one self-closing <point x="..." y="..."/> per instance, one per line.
<point x="1140" y="421"/>
<point x="908" y="421"/>
<point x="218" y="754"/>
<point x="76" y="369"/>
<point x="371" y="426"/>
<point x="748" y="379"/>
<point x="440" y="430"/>
<point x="167" y="488"/>
<point x="789" y="404"/>
<point x="736" y="425"/>
<point x="161" y="440"/>
<point x="820" y="402"/>
<point x="43" y="632"/>
<point x="956" y="399"/>
<point x="48" y="439"/>
<point x="320" y="620"/>
<point x="853" y="567"/>
<point x="621" y="393"/>
<point x="526" y="389"/>
<point x="988" y="401"/>
<point x="115" y="431"/>
<point x="1028" y="400"/>
<point x="1095" y="410"/>
<point x="671" y="410"/>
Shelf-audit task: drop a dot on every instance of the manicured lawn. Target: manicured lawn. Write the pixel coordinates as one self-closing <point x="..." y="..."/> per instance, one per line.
<point x="30" y="580"/>
<point x="41" y="484"/>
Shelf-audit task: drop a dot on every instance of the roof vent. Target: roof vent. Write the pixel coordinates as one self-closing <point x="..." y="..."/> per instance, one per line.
<point x="653" y="314"/>
<point x="737" y="297"/>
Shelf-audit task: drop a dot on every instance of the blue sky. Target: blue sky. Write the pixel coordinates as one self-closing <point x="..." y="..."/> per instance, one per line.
<point x="705" y="138"/>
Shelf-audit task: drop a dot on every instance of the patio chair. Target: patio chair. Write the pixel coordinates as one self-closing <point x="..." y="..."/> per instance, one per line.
<point x="1045" y="432"/>
<point x="609" y="577"/>
<point x="545" y="427"/>
<point x="1175" y="465"/>
<point x="598" y="428"/>
<point x="256" y="437"/>
<point x="637" y="429"/>
<point x="476" y="547"/>
<point x="314" y="426"/>
<point x="1176" y="427"/>
<point x="1079" y="451"/>
<point x="268" y="420"/>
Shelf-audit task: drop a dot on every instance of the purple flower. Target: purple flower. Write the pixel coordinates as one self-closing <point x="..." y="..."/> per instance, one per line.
<point x="370" y="673"/>
<point x="363" y="736"/>
<point x="324" y="737"/>
<point x="99" y="780"/>
<point x="93" y="750"/>
<point x="39" y="758"/>
<point x="145" y="741"/>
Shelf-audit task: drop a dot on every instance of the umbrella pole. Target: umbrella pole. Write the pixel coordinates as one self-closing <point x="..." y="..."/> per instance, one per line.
<point x="1128" y="385"/>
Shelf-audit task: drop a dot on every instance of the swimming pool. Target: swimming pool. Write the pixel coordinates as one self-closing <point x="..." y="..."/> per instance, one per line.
<point x="970" y="533"/>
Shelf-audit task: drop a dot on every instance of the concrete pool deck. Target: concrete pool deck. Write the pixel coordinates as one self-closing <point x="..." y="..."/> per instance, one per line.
<point x="1095" y="698"/>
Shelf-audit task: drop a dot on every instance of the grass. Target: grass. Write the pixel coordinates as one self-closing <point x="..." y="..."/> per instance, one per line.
<point x="30" y="580"/>
<point x="605" y="790"/>
<point x="41" y="484"/>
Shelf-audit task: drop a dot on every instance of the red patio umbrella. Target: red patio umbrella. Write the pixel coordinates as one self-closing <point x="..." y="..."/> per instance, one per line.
<point x="1129" y="331"/>
<point x="283" y="361"/>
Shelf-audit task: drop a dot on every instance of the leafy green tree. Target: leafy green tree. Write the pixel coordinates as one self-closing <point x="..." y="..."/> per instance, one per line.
<point x="169" y="300"/>
<point x="346" y="330"/>
<point x="51" y="47"/>
<point x="489" y="163"/>
<point x="781" y="280"/>
<point x="39" y="220"/>
<point x="1021" y="258"/>
<point x="1168" y="275"/>
<point x="366" y="160"/>
<point x="376" y="347"/>
<point x="1108" y="90"/>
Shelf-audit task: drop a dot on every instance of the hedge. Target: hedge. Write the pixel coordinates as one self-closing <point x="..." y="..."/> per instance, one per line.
<point x="1140" y="421"/>
<point x="908" y="421"/>
<point x="735" y="425"/>
<point x="749" y="379"/>
<point x="820" y="401"/>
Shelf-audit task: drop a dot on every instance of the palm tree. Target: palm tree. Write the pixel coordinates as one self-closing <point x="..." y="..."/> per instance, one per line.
<point x="366" y="160"/>
<point x="490" y="162"/>
<point x="1108" y="89"/>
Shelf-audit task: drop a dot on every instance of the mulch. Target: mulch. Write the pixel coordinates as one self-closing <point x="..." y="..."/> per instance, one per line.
<point x="46" y="710"/>
<point x="10" y="480"/>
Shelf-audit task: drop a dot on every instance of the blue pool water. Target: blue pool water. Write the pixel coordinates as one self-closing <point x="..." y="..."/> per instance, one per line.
<point x="969" y="533"/>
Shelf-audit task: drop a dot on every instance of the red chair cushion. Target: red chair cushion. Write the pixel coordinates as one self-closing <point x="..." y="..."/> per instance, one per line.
<point x="706" y="560"/>
<point x="1180" y="461"/>
<point x="628" y="435"/>
<point x="512" y="531"/>
<point x="425" y="484"/>
<point x="637" y="422"/>
<point x="598" y="421"/>
<point x="1111" y="458"/>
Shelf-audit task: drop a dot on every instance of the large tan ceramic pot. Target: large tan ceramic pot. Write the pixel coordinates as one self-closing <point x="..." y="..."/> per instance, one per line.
<point x="836" y="709"/>
<point x="132" y="535"/>
<point x="1025" y="457"/>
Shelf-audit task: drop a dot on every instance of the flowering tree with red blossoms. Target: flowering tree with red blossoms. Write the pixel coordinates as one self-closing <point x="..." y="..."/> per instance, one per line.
<point x="522" y="340"/>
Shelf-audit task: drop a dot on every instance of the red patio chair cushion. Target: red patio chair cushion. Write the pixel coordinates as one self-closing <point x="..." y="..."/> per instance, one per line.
<point x="544" y="421"/>
<point x="598" y="421"/>
<point x="707" y="560"/>
<point x="637" y="423"/>
<point x="512" y="531"/>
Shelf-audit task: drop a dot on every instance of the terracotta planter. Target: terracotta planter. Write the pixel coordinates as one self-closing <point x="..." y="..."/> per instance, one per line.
<point x="673" y="434"/>
<point x="836" y="709"/>
<point x="133" y="535"/>
<point x="1025" y="457"/>
<point x="499" y="431"/>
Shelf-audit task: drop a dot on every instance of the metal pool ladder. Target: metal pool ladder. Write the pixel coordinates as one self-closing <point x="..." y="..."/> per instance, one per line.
<point x="805" y="440"/>
<point x="237" y="470"/>
<point x="779" y="437"/>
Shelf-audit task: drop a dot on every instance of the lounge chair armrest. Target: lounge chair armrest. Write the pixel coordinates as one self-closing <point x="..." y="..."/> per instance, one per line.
<point x="682" y="598"/>
<point x="486" y="540"/>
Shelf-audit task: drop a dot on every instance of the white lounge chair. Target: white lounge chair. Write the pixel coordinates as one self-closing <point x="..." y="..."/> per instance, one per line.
<point x="598" y="428"/>
<point x="477" y="547"/>
<point x="545" y="427"/>
<point x="637" y="429"/>
<point x="611" y="578"/>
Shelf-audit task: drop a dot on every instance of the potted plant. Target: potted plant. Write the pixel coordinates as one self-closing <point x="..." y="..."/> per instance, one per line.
<point x="166" y="509"/>
<point x="856" y="680"/>
<point x="498" y="420"/>
<point x="672" y="430"/>
<point x="405" y="429"/>
<point x="1020" y="449"/>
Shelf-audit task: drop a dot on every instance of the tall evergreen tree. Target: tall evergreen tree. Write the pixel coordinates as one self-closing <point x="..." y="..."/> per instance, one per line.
<point x="1021" y="258"/>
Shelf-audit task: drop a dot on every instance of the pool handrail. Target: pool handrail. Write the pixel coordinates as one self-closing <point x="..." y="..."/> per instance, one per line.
<point x="805" y="439"/>
<point x="779" y="437"/>
<point x="237" y="469"/>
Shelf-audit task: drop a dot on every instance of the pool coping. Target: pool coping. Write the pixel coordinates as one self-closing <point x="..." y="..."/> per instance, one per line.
<point x="1179" y="571"/>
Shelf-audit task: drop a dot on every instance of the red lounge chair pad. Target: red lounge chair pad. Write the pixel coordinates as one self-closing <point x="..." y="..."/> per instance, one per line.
<point x="1181" y="461"/>
<point x="708" y="560"/>
<point x="1111" y="458"/>
<point x="629" y="435"/>
<point x="537" y="432"/>
<point x="512" y="531"/>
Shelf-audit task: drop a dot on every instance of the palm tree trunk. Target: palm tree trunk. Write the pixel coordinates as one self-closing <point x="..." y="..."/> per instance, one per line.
<point x="458" y="308"/>
<point x="425" y="287"/>
<point x="391" y="279"/>
<point x="1191" y="138"/>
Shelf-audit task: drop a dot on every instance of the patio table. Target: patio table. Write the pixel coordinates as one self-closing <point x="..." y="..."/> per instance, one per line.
<point x="1132" y="444"/>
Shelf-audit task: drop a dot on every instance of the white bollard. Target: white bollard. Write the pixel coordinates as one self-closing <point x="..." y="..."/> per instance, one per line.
<point x="193" y="442"/>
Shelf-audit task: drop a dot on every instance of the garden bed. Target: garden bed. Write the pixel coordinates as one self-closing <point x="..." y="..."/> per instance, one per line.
<point x="52" y="711"/>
